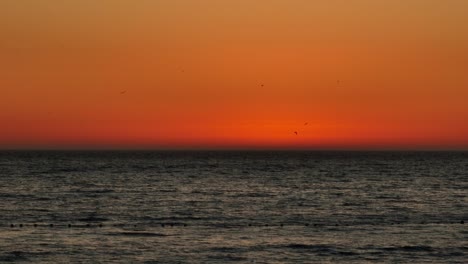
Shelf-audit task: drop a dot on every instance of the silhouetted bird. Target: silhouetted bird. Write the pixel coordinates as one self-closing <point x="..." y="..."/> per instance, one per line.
<point x="295" y="132"/>
<point x="123" y="92"/>
<point x="305" y="124"/>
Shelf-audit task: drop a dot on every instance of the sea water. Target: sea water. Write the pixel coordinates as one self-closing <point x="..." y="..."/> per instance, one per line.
<point x="233" y="207"/>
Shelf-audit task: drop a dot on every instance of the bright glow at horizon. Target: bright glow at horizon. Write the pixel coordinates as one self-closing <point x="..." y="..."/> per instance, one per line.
<point x="234" y="74"/>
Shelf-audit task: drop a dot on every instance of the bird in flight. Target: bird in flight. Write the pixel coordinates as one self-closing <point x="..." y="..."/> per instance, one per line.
<point x="295" y="132"/>
<point x="123" y="92"/>
<point x="306" y="123"/>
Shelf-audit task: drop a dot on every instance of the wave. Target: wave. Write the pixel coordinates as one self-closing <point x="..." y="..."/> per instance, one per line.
<point x="321" y="249"/>
<point x="137" y="234"/>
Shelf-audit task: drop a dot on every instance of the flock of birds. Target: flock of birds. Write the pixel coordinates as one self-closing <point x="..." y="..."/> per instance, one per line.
<point x="261" y="85"/>
<point x="305" y="124"/>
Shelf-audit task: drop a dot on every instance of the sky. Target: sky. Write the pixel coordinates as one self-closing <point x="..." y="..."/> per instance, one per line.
<point x="203" y="74"/>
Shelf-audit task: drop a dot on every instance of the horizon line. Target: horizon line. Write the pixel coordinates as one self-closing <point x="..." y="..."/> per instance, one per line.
<point x="231" y="149"/>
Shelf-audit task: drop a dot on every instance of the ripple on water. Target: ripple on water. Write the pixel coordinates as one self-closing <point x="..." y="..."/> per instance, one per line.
<point x="405" y="206"/>
<point x="320" y="249"/>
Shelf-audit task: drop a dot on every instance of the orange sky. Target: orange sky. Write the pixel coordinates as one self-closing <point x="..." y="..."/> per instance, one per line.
<point x="362" y="73"/>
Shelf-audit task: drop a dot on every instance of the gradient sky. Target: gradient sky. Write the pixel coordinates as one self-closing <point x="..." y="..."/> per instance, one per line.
<point x="234" y="74"/>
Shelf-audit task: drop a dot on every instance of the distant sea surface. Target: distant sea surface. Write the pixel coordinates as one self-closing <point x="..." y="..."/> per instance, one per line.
<point x="233" y="207"/>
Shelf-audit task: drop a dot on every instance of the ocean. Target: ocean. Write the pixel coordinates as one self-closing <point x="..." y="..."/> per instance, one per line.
<point x="233" y="207"/>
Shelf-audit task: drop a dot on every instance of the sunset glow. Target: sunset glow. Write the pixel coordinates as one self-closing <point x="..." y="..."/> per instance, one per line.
<point x="234" y="74"/>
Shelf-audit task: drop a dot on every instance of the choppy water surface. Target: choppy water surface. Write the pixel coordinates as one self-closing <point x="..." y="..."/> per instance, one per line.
<point x="245" y="207"/>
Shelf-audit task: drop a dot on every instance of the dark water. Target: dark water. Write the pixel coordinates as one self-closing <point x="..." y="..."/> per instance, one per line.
<point x="244" y="207"/>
